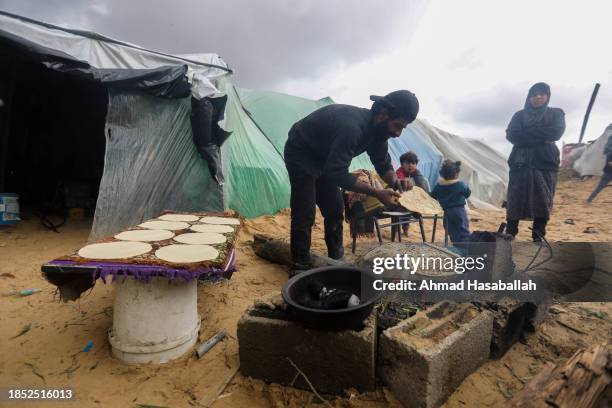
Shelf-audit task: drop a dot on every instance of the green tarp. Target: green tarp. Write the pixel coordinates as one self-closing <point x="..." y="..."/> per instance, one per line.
<point x="256" y="179"/>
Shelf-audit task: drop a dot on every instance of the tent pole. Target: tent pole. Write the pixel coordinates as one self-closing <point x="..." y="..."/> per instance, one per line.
<point x="588" y="111"/>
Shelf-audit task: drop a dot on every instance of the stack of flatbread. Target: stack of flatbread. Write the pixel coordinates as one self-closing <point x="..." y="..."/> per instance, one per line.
<point x="417" y="200"/>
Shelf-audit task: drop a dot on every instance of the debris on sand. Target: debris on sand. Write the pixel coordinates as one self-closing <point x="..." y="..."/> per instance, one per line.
<point x="23" y="331"/>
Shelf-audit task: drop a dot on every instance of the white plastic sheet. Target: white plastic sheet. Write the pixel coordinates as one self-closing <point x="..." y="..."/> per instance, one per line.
<point x="107" y="53"/>
<point x="484" y="169"/>
<point x="592" y="160"/>
<point x="150" y="165"/>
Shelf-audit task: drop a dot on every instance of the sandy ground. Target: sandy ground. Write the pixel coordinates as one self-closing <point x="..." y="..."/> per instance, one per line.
<point x="50" y="353"/>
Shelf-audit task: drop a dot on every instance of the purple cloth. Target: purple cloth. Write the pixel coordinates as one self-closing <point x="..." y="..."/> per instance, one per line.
<point x="147" y="272"/>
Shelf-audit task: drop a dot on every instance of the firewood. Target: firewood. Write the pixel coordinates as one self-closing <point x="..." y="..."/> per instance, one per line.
<point x="578" y="383"/>
<point x="279" y="252"/>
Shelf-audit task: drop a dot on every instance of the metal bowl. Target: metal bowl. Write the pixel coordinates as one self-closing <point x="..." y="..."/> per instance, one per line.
<point x="351" y="279"/>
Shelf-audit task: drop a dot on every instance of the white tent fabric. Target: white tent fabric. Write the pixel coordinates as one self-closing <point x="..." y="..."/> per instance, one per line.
<point x="484" y="169"/>
<point x="106" y="53"/>
<point x="592" y="160"/>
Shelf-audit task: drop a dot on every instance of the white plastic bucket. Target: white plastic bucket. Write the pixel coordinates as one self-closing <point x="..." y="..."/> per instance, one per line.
<point x="154" y="322"/>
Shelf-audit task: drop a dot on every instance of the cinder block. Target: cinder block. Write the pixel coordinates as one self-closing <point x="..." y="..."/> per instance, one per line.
<point x="511" y="319"/>
<point x="425" y="358"/>
<point x="332" y="360"/>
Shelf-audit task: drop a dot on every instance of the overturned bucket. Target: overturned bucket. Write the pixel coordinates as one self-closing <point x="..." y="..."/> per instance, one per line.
<point x="154" y="322"/>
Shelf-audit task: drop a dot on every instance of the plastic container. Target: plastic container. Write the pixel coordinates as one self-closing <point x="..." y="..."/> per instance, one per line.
<point x="351" y="279"/>
<point x="154" y="322"/>
<point x="9" y="209"/>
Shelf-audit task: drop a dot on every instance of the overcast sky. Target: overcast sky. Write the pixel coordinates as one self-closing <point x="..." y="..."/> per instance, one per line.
<point x="470" y="62"/>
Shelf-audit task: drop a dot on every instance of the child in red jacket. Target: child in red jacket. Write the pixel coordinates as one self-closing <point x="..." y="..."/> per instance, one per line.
<point x="408" y="171"/>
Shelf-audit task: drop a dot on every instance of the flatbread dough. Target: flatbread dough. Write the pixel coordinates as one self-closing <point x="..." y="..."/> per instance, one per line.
<point x="200" y="238"/>
<point x="144" y="235"/>
<point x="178" y="217"/>
<point x="165" y="225"/>
<point x="218" y="228"/>
<point x="114" y="250"/>
<point x="182" y="253"/>
<point x="419" y="201"/>
<point x="220" y="220"/>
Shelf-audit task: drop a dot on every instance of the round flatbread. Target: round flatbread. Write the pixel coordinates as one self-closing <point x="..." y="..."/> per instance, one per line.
<point x="144" y="235"/>
<point x="200" y="238"/>
<point x="218" y="228"/>
<point x="164" y="225"/>
<point x="220" y="220"/>
<point x="114" y="250"/>
<point x="181" y="253"/>
<point x="179" y="217"/>
<point x="418" y="200"/>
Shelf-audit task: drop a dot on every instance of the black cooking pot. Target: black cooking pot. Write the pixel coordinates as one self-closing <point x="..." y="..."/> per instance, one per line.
<point x="350" y="279"/>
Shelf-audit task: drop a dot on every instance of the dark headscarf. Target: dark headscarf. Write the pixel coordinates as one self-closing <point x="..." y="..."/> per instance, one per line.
<point x="531" y="115"/>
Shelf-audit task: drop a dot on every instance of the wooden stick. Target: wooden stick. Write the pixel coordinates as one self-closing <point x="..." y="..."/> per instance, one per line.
<point x="309" y="383"/>
<point x="222" y="387"/>
<point x="279" y="252"/>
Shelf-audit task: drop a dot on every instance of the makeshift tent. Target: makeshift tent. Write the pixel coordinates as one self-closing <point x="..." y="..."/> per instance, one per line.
<point x="592" y="160"/>
<point x="135" y="128"/>
<point x="484" y="169"/>
<point x="149" y="111"/>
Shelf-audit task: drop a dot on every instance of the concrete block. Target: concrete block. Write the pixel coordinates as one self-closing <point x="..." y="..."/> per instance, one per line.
<point x="332" y="360"/>
<point x="425" y="358"/>
<point x="511" y="319"/>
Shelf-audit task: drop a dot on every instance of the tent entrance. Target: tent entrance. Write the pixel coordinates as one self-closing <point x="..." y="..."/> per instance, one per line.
<point x="53" y="131"/>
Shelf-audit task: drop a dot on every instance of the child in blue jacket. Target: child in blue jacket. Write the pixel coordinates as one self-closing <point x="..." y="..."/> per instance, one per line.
<point x="451" y="194"/>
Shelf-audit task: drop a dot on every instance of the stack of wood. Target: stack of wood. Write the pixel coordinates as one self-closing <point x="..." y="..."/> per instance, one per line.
<point x="579" y="383"/>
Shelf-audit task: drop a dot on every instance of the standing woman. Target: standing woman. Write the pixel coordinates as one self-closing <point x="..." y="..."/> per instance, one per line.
<point x="534" y="161"/>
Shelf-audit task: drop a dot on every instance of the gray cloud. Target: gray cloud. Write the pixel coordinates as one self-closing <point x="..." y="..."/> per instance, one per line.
<point x="265" y="42"/>
<point x="496" y="107"/>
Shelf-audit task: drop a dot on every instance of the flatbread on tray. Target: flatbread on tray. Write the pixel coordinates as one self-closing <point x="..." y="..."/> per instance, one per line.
<point x="144" y="235"/>
<point x="165" y="225"/>
<point x="213" y="243"/>
<point x="220" y="220"/>
<point x="417" y="200"/>
<point x="217" y="228"/>
<point x="179" y="217"/>
<point x="200" y="238"/>
<point x="181" y="253"/>
<point x="114" y="250"/>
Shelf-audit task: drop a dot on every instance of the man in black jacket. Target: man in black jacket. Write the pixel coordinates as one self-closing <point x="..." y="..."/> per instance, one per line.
<point x="318" y="154"/>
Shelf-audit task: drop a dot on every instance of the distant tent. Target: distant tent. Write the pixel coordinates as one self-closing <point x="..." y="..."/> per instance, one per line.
<point x="592" y="160"/>
<point x="483" y="168"/>
<point x="127" y="120"/>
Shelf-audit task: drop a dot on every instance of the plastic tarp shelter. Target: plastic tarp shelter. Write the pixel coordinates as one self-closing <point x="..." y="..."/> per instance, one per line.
<point x="273" y="114"/>
<point x="592" y="160"/>
<point x="151" y="163"/>
<point x="483" y="168"/>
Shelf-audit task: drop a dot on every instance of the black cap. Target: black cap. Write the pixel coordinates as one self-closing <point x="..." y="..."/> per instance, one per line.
<point x="401" y="103"/>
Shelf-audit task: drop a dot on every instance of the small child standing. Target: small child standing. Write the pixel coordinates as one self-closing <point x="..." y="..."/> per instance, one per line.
<point x="451" y="193"/>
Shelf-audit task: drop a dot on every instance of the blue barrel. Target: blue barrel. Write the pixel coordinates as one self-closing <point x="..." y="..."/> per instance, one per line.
<point x="9" y="209"/>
